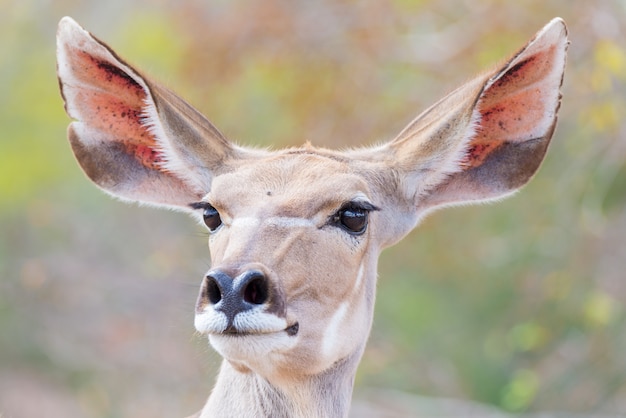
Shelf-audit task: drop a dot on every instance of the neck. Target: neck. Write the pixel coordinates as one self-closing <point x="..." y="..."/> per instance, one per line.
<point x="247" y="394"/>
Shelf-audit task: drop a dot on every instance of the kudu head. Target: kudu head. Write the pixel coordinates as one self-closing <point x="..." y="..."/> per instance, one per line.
<point x="295" y="234"/>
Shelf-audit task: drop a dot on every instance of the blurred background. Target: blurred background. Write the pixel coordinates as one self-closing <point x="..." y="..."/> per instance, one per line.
<point x="519" y="305"/>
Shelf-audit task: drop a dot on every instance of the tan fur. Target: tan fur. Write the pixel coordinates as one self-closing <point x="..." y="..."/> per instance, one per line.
<point x="293" y="352"/>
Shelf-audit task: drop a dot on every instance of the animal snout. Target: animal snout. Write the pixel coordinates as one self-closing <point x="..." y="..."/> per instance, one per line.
<point x="233" y="295"/>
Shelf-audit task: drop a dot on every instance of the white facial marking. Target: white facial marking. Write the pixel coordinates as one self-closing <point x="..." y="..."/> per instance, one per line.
<point x="359" y="277"/>
<point x="256" y="321"/>
<point x="289" y="222"/>
<point x="245" y="222"/>
<point x="253" y="321"/>
<point x="332" y="330"/>
<point x="280" y="221"/>
<point x="210" y="321"/>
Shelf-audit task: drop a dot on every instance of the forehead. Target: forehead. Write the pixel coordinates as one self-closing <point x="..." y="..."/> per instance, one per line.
<point x="303" y="183"/>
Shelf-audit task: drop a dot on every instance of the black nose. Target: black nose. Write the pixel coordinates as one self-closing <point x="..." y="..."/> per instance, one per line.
<point x="234" y="295"/>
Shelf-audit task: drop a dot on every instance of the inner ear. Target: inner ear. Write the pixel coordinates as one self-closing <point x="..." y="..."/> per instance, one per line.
<point x="110" y="100"/>
<point x="521" y="105"/>
<point x="132" y="137"/>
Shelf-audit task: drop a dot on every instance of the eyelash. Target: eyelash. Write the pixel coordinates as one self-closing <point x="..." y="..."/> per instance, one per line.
<point x="210" y="215"/>
<point x="353" y="217"/>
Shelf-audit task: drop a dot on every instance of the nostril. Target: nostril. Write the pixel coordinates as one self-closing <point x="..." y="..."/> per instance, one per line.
<point x="213" y="290"/>
<point x="256" y="291"/>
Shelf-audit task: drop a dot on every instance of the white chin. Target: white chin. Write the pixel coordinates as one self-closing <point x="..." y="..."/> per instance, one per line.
<point x="252" y="347"/>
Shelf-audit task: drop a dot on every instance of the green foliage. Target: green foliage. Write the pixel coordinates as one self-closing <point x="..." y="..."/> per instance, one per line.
<point x="152" y="41"/>
<point x="31" y="117"/>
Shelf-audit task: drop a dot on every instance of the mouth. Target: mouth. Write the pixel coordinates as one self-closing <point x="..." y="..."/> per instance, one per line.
<point x="248" y="346"/>
<point x="233" y="331"/>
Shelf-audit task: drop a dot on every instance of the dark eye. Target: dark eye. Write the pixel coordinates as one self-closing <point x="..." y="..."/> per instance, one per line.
<point x="353" y="219"/>
<point x="211" y="218"/>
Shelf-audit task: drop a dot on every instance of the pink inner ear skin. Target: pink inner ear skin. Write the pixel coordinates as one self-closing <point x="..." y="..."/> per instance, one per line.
<point x="148" y="156"/>
<point x="106" y="112"/>
<point x="477" y="153"/>
<point x="534" y="69"/>
<point x="513" y="107"/>
<point x="114" y="103"/>
<point x="105" y="76"/>
<point x="514" y="118"/>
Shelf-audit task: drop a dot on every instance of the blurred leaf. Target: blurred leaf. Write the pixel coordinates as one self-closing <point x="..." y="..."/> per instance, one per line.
<point x="611" y="57"/>
<point x="528" y="336"/>
<point x="599" y="309"/>
<point x="521" y="391"/>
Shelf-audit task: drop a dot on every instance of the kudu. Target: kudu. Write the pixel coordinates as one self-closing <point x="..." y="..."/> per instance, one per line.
<point x="295" y="234"/>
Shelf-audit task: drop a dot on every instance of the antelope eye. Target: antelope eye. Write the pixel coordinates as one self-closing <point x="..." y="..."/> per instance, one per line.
<point x="352" y="219"/>
<point x="211" y="218"/>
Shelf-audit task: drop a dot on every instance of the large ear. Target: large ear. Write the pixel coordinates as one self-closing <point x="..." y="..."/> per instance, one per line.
<point x="487" y="138"/>
<point x="132" y="137"/>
